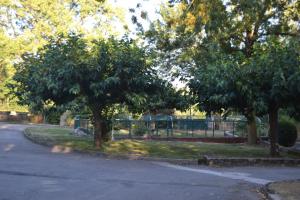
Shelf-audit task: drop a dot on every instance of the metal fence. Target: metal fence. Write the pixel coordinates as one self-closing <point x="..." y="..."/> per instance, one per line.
<point x="175" y="127"/>
<point x="179" y="128"/>
<point x="85" y="124"/>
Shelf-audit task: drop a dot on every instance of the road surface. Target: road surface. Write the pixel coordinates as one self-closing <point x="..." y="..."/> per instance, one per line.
<point x="32" y="172"/>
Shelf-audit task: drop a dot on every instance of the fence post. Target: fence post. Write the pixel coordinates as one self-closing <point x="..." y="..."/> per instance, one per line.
<point x="171" y="126"/>
<point x="233" y="128"/>
<point x="213" y="128"/>
<point x="186" y="126"/>
<point x="156" y="126"/>
<point x="77" y="122"/>
<point x="192" y="127"/>
<point x="129" y="126"/>
<point x="206" y="127"/>
<point x="223" y="124"/>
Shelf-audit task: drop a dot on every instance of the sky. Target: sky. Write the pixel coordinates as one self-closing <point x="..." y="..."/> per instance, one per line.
<point x="150" y="6"/>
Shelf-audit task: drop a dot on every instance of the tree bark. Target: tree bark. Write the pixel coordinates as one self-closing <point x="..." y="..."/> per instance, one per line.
<point x="251" y="128"/>
<point x="105" y="130"/>
<point x="97" y="121"/>
<point x="273" y="131"/>
<point x="100" y="128"/>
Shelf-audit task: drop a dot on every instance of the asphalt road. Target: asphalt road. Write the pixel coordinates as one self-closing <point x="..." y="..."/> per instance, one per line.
<point x="33" y="172"/>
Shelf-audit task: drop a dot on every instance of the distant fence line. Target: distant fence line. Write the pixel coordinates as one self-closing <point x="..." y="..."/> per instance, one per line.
<point x="179" y="128"/>
<point x="174" y="127"/>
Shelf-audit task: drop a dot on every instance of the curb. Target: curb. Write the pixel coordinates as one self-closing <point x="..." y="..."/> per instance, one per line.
<point x="235" y="161"/>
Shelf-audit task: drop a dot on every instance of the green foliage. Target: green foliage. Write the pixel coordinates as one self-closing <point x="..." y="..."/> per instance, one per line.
<point x="293" y="111"/>
<point x="139" y="130"/>
<point x="67" y="68"/>
<point x="103" y="75"/>
<point x="13" y="106"/>
<point x="283" y="116"/>
<point x="161" y="96"/>
<point x="227" y="46"/>
<point x="287" y="134"/>
<point x="240" y="55"/>
<point x="26" y="26"/>
<point x="52" y="115"/>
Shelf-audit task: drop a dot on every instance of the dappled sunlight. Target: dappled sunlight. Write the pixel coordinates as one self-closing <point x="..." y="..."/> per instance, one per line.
<point x="61" y="149"/>
<point x="66" y="143"/>
<point x="8" y="147"/>
<point x="133" y="148"/>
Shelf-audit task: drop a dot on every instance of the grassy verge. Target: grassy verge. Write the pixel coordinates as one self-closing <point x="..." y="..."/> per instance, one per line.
<point x="182" y="150"/>
<point x="286" y="189"/>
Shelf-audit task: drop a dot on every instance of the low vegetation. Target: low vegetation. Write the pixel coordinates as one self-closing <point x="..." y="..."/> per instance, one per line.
<point x="183" y="150"/>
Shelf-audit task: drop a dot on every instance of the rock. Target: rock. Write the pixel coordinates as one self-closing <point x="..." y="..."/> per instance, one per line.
<point x="80" y="132"/>
<point x="64" y="117"/>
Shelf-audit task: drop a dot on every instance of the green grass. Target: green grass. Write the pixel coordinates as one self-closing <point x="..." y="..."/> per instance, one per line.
<point x="183" y="150"/>
<point x="59" y="136"/>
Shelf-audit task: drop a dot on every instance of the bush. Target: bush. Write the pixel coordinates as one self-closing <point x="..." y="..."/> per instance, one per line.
<point x="53" y="116"/>
<point x="139" y="130"/>
<point x="287" y="134"/>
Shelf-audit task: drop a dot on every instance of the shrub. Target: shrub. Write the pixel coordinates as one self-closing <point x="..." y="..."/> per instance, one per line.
<point x="53" y="116"/>
<point x="139" y="130"/>
<point x="287" y="134"/>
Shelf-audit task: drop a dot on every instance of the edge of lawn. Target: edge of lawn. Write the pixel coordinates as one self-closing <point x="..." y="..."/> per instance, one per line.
<point x="66" y="147"/>
<point x="63" y="141"/>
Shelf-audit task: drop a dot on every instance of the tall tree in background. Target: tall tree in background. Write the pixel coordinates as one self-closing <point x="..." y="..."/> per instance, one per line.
<point x="192" y="29"/>
<point x="27" y="25"/>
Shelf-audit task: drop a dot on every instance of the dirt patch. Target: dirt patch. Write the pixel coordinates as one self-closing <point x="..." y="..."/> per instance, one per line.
<point x="287" y="190"/>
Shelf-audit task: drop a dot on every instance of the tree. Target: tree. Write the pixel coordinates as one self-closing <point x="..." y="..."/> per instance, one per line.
<point x="193" y="29"/>
<point x="28" y="25"/>
<point x="161" y="96"/>
<point x="275" y="69"/>
<point x="108" y="72"/>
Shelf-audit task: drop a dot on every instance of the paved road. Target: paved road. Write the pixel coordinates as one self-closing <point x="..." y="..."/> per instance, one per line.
<point x="33" y="172"/>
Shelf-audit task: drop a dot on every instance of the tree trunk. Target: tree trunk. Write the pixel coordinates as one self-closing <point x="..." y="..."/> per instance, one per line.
<point x="101" y="128"/>
<point x="273" y="132"/>
<point x="97" y="121"/>
<point x="105" y="130"/>
<point x="251" y="128"/>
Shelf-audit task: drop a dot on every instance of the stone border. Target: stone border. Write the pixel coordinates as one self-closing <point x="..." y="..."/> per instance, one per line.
<point x="225" y="162"/>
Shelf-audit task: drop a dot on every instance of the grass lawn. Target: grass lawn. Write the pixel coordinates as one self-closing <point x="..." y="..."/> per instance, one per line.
<point x="184" y="150"/>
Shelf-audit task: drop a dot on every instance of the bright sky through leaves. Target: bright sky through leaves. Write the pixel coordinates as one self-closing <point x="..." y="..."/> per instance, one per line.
<point x="149" y="6"/>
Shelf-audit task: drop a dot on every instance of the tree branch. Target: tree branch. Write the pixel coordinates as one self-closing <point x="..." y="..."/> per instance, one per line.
<point x="281" y="34"/>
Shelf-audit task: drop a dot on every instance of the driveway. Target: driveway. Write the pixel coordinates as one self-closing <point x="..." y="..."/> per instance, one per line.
<point x="29" y="171"/>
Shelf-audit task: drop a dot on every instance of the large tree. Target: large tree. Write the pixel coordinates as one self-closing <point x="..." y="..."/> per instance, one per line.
<point x="108" y="72"/>
<point x="27" y="25"/>
<point x="192" y="29"/>
<point x="274" y="70"/>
